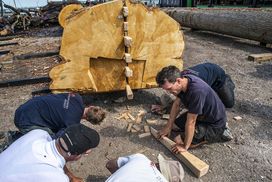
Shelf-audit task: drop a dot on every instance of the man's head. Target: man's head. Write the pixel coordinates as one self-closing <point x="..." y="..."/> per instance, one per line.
<point x="94" y="114"/>
<point x="170" y="80"/>
<point x="76" y="140"/>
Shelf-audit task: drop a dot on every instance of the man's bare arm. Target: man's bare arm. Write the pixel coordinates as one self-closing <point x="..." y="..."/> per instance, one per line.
<point x="173" y="115"/>
<point x="112" y="165"/>
<point x="189" y="129"/>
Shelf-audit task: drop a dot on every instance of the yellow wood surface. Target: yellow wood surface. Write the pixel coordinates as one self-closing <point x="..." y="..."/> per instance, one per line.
<point x="197" y="166"/>
<point x="93" y="48"/>
<point x="66" y="12"/>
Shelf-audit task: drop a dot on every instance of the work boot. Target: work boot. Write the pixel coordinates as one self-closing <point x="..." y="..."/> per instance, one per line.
<point x="227" y="136"/>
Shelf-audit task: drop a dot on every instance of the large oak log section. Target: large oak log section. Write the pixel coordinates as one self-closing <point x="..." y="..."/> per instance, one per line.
<point x="93" y="48"/>
<point x="245" y="23"/>
<point x="197" y="166"/>
<point x="25" y="81"/>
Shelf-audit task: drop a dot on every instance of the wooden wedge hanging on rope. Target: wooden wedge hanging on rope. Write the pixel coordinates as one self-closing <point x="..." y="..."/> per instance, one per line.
<point x="197" y="166"/>
<point x="99" y="42"/>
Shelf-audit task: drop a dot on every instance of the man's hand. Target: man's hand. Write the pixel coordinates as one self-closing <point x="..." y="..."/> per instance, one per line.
<point x="75" y="179"/>
<point x="177" y="148"/>
<point x="165" y="132"/>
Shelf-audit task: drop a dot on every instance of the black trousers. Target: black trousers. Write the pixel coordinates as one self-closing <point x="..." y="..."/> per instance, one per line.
<point x="226" y="92"/>
<point x="203" y="131"/>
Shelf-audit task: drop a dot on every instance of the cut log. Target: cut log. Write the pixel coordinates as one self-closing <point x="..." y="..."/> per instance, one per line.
<point x="26" y="81"/>
<point x="9" y="37"/>
<point x="8" y="44"/>
<point x="197" y="166"/>
<point x="36" y="55"/>
<point x="260" y="57"/>
<point x="245" y="23"/>
<point x="4" y="52"/>
<point x="94" y="55"/>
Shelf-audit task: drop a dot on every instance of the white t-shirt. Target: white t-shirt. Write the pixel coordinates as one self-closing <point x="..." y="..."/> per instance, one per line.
<point x="136" y="168"/>
<point x="33" y="157"/>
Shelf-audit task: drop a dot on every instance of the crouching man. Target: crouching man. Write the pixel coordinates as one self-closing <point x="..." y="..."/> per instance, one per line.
<point x="206" y="118"/>
<point x="138" y="167"/>
<point x="36" y="157"/>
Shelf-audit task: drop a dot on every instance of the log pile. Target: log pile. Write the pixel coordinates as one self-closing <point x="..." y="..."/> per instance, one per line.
<point x="22" y="19"/>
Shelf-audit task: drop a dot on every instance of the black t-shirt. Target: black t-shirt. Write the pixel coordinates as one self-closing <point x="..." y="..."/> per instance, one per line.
<point x="201" y="99"/>
<point x="54" y="111"/>
<point x="211" y="73"/>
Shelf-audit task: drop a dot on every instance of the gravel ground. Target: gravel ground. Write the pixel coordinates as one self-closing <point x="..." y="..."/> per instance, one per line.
<point x="246" y="158"/>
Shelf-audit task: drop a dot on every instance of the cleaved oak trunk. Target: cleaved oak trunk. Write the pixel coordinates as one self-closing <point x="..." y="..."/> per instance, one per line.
<point x="254" y="24"/>
<point x="93" y="48"/>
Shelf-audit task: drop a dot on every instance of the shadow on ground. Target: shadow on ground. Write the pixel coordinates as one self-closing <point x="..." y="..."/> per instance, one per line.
<point x="229" y="41"/>
<point x="263" y="71"/>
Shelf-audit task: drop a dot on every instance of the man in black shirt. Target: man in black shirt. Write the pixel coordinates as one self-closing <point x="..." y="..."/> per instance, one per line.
<point x="206" y="116"/>
<point x="217" y="79"/>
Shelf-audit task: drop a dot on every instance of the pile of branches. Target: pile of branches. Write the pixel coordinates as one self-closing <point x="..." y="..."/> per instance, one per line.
<point x="22" y="19"/>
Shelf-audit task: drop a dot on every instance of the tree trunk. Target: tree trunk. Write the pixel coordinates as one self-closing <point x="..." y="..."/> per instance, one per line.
<point x="96" y="40"/>
<point x="245" y="23"/>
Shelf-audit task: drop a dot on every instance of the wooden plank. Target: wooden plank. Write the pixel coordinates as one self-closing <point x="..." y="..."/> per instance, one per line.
<point x="260" y="57"/>
<point x="197" y="166"/>
<point x="26" y="81"/>
<point x="36" y="55"/>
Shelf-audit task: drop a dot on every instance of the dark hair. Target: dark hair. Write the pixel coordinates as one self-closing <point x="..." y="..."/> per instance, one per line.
<point x="169" y="73"/>
<point x="95" y="115"/>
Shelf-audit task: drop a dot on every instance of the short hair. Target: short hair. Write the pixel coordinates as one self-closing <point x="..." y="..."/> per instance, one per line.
<point x="95" y="115"/>
<point x="169" y="73"/>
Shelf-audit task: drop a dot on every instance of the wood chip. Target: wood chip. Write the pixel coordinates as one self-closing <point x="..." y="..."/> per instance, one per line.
<point x="144" y="135"/>
<point x="237" y="118"/>
<point x="136" y="127"/>
<point x="140" y="116"/>
<point x="131" y="117"/>
<point x="129" y="127"/>
<point x="151" y="121"/>
<point x="146" y="128"/>
<point x="165" y="116"/>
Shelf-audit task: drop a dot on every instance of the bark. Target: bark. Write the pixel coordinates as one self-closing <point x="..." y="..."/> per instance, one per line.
<point x="245" y="23"/>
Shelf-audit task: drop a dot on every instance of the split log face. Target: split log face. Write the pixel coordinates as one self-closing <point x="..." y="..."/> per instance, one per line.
<point x="67" y="11"/>
<point x="93" y="47"/>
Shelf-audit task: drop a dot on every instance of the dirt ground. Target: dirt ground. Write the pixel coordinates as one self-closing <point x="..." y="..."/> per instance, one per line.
<point x="248" y="157"/>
